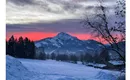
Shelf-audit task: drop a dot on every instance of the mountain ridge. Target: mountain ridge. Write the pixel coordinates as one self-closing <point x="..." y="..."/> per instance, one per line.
<point x="64" y="43"/>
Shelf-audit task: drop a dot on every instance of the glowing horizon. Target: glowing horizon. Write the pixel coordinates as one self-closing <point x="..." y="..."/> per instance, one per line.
<point x="35" y="36"/>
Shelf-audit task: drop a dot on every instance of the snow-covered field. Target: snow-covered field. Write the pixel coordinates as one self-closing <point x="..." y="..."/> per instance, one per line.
<point x="27" y="69"/>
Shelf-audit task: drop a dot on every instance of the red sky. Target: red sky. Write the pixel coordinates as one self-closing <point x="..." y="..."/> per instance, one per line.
<point x="40" y="35"/>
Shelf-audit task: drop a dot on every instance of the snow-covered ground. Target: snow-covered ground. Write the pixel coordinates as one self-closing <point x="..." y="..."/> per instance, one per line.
<point x="15" y="70"/>
<point x="27" y="69"/>
<point x="96" y="65"/>
<point x="117" y="62"/>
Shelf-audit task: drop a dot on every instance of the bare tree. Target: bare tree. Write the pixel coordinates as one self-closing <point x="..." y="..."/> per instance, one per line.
<point x="99" y="25"/>
<point x="120" y="13"/>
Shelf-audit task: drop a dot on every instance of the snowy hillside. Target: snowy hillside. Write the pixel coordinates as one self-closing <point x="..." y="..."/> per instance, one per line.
<point x="27" y="69"/>
<point x="15" y="70"/>
<point x="64" y="43"/>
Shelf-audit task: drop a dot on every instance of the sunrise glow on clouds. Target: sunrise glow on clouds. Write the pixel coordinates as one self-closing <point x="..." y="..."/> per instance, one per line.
<point x="38" y="19"/>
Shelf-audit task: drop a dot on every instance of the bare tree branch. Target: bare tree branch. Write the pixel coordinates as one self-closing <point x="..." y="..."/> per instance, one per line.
<point x="99" y="24"/>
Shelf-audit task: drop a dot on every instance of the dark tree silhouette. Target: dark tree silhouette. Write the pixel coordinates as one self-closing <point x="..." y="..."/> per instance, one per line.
<point x="120" y="11"/>
<point x="53" y="56"/>
<point x="42" y="56"/>
<point x="48" y="56"/>
<point x="88" y="57"/>
<point x="27" y="47"/>
<point x="98" y="24"/>
<point x="11" y="46"/>
<point x="7" y="49"/>
<point x="82" y="57"/>
<point x="104" y="56"/>
<point x="22" y="48"/>
<point x="73" y="58"/>
<point x="32" y="50"/>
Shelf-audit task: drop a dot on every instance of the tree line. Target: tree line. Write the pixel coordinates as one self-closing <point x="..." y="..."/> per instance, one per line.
<point x="20" y="48"/>
<point x="84" y="58"/>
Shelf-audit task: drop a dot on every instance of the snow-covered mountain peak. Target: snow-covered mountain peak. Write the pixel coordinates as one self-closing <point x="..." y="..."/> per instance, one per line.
<point x="64" y="36"/>
<point x="65" y="43"/>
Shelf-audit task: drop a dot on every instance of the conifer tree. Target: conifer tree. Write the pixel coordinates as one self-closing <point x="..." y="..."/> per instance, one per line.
<point x="11" y="46"/>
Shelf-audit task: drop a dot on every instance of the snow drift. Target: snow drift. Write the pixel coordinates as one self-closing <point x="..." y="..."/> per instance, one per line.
<point x="27" y="69"/>
<point x="15" y="70"/>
